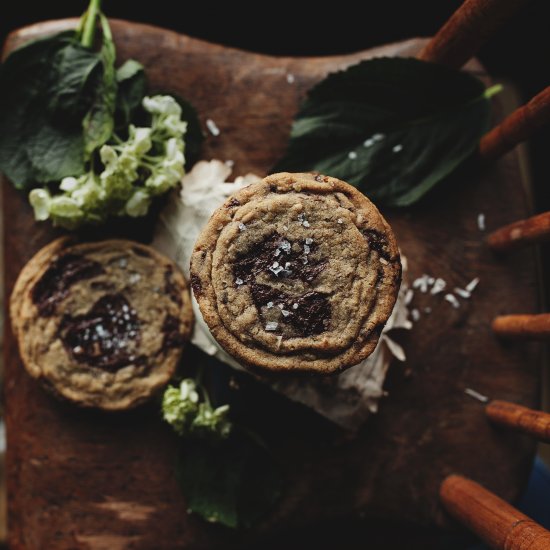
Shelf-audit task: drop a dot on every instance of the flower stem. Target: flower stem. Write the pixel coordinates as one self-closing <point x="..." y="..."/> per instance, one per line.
<point x="87" y="39"/>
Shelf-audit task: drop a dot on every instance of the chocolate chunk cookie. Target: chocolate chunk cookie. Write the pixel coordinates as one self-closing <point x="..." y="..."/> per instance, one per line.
<point x="101" y="324"/>
<point x="298" y="272"/>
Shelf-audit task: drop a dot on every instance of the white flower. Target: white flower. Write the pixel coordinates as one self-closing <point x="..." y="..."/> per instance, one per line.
<point x="140" y="140"/>
<point x="64" y="207"/>
<point x="137" y="204"/>
<point x="188" y="390"/>
<point x="159" y="182"/>
<point x="161" y="105"/>
<point x="108" y="156"/>
<point x="174" y="150"/>
<point x="40" y="201"/>
<point x="69" y="184"/>
<point x="88" y="193"/>
<point x="175" y="125"/>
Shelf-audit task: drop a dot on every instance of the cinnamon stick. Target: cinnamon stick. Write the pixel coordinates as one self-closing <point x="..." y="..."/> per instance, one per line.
<point x="495" y="521"/>
<point x="517" y="127"/>
<point x="467" y="30"/>
<point x="532" y="230"/>
<point x="524" y="327"/>
<point x="521" y="419"/>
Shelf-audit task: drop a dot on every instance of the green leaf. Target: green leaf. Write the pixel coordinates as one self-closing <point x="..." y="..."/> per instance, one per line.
<point x="131" y="89"/>
<point x="233" y="483"/>
<point x="45" y="90"/>
<point x="98" y="124"/>
<point x="394" y="127"/>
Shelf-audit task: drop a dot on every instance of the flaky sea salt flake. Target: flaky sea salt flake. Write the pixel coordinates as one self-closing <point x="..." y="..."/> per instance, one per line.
<point x="271" y="325"/>
<point x="239" y="281"/>
<point x="352" y="155"/>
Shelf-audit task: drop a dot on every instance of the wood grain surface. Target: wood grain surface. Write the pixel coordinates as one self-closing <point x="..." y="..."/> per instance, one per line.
<point x="79" y="479"/>
<point x="500" y="525"/>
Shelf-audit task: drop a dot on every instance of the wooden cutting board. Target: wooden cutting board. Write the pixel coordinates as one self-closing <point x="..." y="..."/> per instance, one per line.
<point x="79" y="479"/>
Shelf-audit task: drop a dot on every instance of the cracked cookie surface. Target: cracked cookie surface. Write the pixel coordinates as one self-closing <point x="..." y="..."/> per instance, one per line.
<point x="298" y="272"/>
<point x="101" y="324"/>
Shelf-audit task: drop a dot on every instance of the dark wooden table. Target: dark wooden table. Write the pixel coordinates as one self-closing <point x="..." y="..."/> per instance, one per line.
<point x="80" y="479"/>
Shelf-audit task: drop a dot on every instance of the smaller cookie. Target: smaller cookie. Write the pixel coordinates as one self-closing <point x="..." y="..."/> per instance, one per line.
<point x="101" y="324"/>
<point x="296" y="273"/>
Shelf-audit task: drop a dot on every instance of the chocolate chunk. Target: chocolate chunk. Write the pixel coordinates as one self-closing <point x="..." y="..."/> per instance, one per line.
<point x="170" y="288"/>
<point x="378" y="242"/>
<point x="196" y="284"/>
<point x="106" y="337"/>
<point x="233" y="202"/>
<point x="292" y="264"/>
<point x="312" y="316"/>
<point x="54" y="284"/>
<point x="173" y="337"/>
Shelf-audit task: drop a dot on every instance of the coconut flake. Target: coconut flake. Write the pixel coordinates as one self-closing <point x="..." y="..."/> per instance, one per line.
<point x="462" y="293"/>
<point x="421" y="283"/>
<point x="481" y="221"/>
<point x="438" y="286"/>
<point x="451" y="298"/>
<point x="470" y="287"/>
<point x="415" y="314"/>
<point x="409" y="296"/>
<point x="212" y="127"/>
<point x="476" y="395"/>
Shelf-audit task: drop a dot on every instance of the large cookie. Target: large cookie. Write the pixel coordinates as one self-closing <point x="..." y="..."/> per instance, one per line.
<point x="298" y="272"/>
<point x="101" y="324"/>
